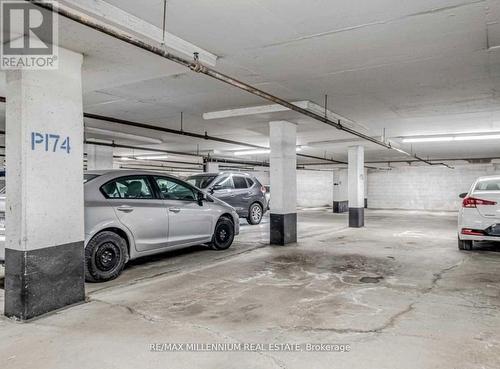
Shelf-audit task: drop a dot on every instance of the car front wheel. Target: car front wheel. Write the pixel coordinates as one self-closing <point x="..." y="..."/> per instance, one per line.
<point x="255" y="214"/>
<point x="105" y="257"/>
<point x="465" y="244"/>
<point x="223" y="235"/>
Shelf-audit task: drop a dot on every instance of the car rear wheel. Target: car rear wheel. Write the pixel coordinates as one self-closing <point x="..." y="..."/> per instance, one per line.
<point x="105" y="257"/>
<point x="223" y="235"/>
<point x="465" y="244"/>
<point x="255" y="214"/>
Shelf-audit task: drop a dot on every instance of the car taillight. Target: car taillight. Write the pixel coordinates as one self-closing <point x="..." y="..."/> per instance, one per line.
<point x="472" y="202"/>
<point x="262" y="189"/>
<point x="472" y="232"/>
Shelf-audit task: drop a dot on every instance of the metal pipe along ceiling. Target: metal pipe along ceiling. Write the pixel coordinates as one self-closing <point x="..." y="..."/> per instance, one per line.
<point x="196" y="66"/>
<point x="186" y="133"/>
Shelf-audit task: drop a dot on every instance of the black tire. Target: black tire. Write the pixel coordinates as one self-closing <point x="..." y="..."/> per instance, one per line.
<point x="465" y="244"/>
<point x="223" y="234"/>
<point x="105" y="257"/>
<point x="255" y="214"/>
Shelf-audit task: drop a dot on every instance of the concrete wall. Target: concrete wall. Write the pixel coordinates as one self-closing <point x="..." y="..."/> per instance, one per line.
<point x="423" y="187"/>
<point x="314" y="188"/>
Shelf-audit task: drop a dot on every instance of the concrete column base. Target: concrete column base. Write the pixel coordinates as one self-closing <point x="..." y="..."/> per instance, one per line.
<point x="283" y="228"/>
<point x="42" y="280"/>
<point x="356" y="217"/>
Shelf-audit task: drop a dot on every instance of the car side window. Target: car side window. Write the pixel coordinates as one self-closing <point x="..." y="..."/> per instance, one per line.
<point x="225" y="182"/>
<point x="136" y="187"/>
<point x="173" y="190"/>
<point x="239" y="182"/>
<point x="249" y="182"/>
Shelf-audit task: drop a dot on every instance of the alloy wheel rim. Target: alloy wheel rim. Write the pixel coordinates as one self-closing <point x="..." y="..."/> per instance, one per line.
<point x="256" y="213"/>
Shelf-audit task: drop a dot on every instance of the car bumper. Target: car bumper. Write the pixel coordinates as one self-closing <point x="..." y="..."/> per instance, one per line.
<point x="465" y="237"/>
<point x="236" y="221"/>
<point x="473" y="226"/>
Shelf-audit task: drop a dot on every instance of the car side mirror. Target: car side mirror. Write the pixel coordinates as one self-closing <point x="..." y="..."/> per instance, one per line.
<point x="463" y="195"/>
<point x="216" y="188"/>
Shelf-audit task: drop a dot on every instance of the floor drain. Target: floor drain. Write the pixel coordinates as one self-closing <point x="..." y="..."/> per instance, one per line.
<point x="370" y="279"/>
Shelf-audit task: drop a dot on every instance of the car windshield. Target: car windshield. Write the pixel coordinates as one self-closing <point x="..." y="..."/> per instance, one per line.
<point x="201" y="181"/>
<point x="89" y="177"/>
<point x="492" y="184"/>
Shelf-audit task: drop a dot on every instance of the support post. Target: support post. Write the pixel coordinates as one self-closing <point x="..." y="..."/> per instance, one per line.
<point x="356" y="191"/>
<point x="44" y="259"/>
<point x="211" y="167"/>
<point x="283" y="182"/>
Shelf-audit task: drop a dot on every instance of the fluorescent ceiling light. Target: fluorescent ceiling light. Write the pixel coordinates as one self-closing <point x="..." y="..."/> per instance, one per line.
<point x="276" y="108"/>
<point x="480" y="137"/>
<point x="152" y="157"/>
<point x="257" y="152"/>
<point x="122" y="135"/>
<point x="126" y="158"/>
<point x="251" y="152"/>
<point x="452" y="138"/>
<point x="253" y="110"/>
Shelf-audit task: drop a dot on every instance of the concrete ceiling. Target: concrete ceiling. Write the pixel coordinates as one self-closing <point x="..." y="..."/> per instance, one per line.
<point x="409" y="67"/>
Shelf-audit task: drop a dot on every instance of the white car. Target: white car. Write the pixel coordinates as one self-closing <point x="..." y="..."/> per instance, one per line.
<point x="479" y="216"/>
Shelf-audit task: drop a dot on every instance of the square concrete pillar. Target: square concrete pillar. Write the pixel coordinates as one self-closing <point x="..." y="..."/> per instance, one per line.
<point x="340" y="189"/>
<point x="356" y="190"/>
<point x="99" y="157"/>
<point x="211" y="167"/>
<point x="44" y="258"/>
<point x="283" y="182"/>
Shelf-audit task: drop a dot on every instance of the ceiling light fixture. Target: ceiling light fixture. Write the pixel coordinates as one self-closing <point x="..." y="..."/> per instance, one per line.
<point x="122" y="135"/>
<point x="251" y="152"/>
<point x="257" y="152"/>
<point x="452" y="138"/>
<point x="152" y="157"/>
<point x="277" y="108"/>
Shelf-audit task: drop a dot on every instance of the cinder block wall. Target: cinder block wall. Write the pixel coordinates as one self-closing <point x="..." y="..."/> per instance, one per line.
<point x="314" y="188"/>
<point x="423" y="187"/>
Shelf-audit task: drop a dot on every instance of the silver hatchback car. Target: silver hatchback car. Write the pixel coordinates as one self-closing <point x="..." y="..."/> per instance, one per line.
<point x="129" y="214"/>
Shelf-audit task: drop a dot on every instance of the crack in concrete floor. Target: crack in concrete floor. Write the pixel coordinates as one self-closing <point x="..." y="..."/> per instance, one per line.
<point x="392" y="320"/>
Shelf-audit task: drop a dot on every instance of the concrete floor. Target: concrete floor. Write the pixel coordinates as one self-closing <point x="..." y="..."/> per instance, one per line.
<point x="398" y="292"/>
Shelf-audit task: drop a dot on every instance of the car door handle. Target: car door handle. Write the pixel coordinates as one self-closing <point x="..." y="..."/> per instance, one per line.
<point x="174" y="210"/>
<point x="125" y="208"/>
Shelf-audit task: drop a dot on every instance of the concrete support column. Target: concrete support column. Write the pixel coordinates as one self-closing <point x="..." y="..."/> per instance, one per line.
<point x="340" y="189"/>
<point x="44" y="258"/>
<point x="99" y="157"/>
<point x="283" y="182"/>
<point x="356" y="179"/>
<point x="211" y="167"/>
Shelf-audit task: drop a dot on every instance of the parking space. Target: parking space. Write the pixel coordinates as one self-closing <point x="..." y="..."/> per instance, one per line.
<point x="397" y="289"/>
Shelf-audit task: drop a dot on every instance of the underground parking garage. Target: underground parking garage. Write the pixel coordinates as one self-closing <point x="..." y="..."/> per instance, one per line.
<point x="249" y="184"/>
